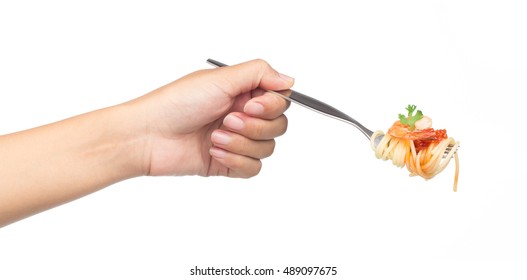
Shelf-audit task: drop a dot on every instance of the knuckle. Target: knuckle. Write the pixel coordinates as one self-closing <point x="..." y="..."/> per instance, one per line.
<point x="257" y="169"/>
<point x="235" y="163"/>
<point x="283" y="125"/>
<point x="277" y="103"/>
<point x="244" y="146"/>
<point x="269" y="149"/>
<point x="258" y="131"/>
<point x="249" y="170"/>
<point x="262" y="63"/>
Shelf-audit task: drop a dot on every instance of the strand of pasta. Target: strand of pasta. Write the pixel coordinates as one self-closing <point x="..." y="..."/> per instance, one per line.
<point x="427" y="163"/>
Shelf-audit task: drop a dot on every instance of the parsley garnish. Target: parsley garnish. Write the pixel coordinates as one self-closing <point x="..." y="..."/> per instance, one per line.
<point x="411" y="119"/>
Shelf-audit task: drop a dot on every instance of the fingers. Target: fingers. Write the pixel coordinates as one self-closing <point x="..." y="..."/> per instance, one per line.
<point x="248" y="136"/>
<point x="265" y="105"/>
<point x="255" y="128"/>
<point x="250" y="75"/>
<point x="236" y="143"/>
<point x="239" y="166"/>
<point x="244" y="141"/>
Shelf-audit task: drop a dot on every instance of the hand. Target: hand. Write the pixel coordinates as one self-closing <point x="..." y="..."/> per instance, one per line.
<point x="211" y="122"/>
<point x="214" y="122"/>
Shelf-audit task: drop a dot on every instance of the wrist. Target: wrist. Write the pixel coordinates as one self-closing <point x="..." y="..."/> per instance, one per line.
<point x="128" y="138"/>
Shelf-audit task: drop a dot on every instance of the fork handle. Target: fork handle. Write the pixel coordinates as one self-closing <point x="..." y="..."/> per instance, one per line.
<point x="322" y="108"/>
<point x="312" y="104"/>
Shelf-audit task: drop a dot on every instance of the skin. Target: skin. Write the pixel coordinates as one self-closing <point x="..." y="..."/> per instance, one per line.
<point x="210" y="122"/>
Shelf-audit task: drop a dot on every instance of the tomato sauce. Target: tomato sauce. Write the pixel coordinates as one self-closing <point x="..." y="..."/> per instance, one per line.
<point x="439" y="136"/>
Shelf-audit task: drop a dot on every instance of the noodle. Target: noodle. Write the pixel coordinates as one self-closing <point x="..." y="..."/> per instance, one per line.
<point x="427" y="163"/>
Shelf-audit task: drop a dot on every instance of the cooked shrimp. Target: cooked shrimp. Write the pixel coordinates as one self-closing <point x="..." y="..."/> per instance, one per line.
<point x="400" y="130"/>
<point x="424" y="123"/>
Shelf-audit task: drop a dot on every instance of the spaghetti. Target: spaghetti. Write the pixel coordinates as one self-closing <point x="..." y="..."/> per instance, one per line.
<point x="412" y="142"/>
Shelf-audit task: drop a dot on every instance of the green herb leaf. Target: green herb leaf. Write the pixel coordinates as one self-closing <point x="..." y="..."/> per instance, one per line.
<point x="411" y="119"/>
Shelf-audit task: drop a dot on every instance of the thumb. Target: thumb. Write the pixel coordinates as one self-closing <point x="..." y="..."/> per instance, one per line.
<point x="250" y="75"/>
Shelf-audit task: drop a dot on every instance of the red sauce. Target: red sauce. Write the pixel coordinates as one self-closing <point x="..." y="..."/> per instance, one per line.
<point x="440" y="135"/>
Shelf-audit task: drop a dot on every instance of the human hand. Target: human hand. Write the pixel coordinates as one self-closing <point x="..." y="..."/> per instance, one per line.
<point x="214" y="122"/>
<point x="211" y="122"/>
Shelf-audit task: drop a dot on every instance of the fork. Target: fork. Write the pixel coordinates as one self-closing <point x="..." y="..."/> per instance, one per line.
<point x="321" y="108"/>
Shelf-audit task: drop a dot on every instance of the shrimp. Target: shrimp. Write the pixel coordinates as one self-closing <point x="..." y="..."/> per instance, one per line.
<point x="399" y="130"/>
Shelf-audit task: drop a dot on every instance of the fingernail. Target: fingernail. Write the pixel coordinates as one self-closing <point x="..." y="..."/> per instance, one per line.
<point x="221" y="138"/>
<point x="286" y="78"/>
<point x="217" y="153"/>
<point x="233" y="122"/>
<point x="254" y="108"/>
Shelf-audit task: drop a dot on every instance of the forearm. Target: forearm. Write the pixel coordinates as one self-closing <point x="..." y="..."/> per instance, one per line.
<point x="47" y="166"/>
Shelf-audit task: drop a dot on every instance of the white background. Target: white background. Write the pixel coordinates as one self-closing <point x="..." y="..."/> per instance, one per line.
<point x="322" y="199"/>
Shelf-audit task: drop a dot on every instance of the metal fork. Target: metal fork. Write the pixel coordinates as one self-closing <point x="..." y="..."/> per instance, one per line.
<point x="320" y="107"/>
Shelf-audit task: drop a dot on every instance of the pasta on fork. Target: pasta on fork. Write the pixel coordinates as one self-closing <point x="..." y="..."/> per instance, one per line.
<point x="412" y="142"/>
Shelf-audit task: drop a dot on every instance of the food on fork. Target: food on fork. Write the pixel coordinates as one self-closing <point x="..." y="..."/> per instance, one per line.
<point x="412" y="142"/>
